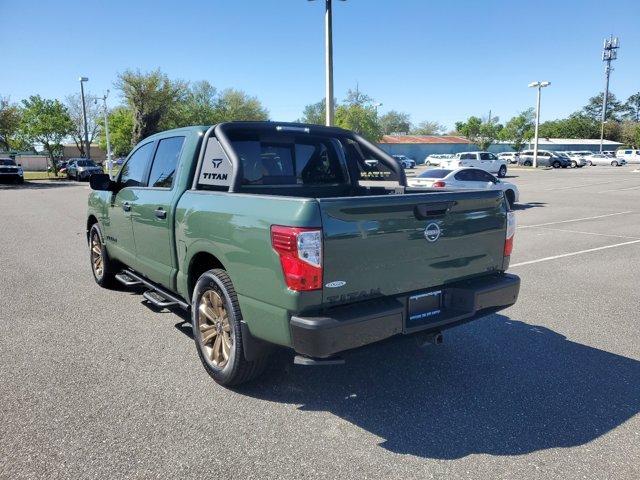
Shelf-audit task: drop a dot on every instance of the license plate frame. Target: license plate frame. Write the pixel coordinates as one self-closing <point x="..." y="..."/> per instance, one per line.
<point x="424" y="308"/>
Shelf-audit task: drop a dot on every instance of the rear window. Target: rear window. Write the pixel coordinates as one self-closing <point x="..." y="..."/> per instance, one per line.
<point x="86" y="163"/>
<point x="435" y="173"/>
<point x="289" y="159"/>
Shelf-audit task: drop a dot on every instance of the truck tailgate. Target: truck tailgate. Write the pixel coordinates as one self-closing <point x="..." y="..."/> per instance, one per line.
<point x="392" y="244"/>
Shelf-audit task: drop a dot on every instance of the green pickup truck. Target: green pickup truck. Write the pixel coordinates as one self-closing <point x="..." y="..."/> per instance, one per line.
<point x="295" y="235"/>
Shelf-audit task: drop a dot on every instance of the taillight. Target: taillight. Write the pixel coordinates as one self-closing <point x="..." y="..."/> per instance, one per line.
<point x="511" y="231"/>
<point x="439" y="184"/>
<point x="300" y="251"/>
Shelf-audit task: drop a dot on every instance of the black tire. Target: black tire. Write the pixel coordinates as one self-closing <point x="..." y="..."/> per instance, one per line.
<point x="574" y="164"/>
<point x="614" y="164"/>
<point x="502" y="172"/>
<point x="511" y="197"/>
<point x="109" y="267"/>
<point x="527" y="163"/>
<point x="589" y="163"/>
<point x="556" y="164"/>
<point x="237" y="370"/>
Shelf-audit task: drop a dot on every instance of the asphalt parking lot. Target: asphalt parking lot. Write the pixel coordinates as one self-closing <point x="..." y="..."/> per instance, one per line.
<point x="95" y="384"/>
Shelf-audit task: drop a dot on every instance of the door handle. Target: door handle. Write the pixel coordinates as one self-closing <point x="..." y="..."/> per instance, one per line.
<point x="161" y="213"/>
<point x="126" y="206"/>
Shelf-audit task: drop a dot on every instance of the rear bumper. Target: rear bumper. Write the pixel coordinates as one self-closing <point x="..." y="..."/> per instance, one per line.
<point x="352" y="326"/>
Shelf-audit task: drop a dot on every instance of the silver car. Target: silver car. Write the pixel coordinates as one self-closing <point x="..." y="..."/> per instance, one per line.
<point x="82" y="168"/>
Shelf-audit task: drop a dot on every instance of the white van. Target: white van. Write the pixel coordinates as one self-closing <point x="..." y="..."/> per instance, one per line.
<point x="631" y="156"/>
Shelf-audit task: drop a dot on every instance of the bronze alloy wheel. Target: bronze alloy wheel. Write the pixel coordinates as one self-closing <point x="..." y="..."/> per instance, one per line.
<point x="215" y="333"/>
<point x="97" y="259"/>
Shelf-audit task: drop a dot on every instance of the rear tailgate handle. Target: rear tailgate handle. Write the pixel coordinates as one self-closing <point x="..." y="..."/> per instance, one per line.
<point x="161" y="213"/>
<point x="430" y="210"/>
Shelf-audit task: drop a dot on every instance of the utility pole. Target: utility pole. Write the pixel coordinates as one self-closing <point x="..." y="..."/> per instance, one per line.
<point x="84" y="118"/>
<point x="106" y="132"/>
<point x="609" y="53"/>
<point x="539" y="86"/>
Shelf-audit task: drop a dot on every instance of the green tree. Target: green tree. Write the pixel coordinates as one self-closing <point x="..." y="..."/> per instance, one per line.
<point x="234" y="104"/>
<point x="576" y="126"/>
<point x="46" y="122"/>
<point x="482" y="133"/>
<point x="314" y="113"/>
<point x="197" y="107"/>
<point x="94" y="116"/>
<point x="630" y="133"/>
<point x="427" y="127"/>
<point x="519" y="129"/>
<point x="395" y="122"/>
<point x="120" y="132"/>
<point x="10" y="115"/>
<point x="632" y="108"/>
<point x="593" y="109"/>
<point x="149" y="96"/>
<point x="356" y="97"/>
<point x="361" y="119"/>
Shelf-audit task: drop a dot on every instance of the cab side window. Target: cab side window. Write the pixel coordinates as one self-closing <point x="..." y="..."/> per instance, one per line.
<point x="134" y="170"/>
<point x="165" y="162"/>
<point x="485" y="156"/>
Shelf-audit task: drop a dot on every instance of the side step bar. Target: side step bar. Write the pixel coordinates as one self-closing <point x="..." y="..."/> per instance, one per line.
<point x="158" y="300"/>
<point x="157" y="296"/>
<point x="125" y="279"/>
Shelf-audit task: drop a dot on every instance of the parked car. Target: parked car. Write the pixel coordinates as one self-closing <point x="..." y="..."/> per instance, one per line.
<point x="483" y="160"/>
<point x="629" y="155"/>
<point x="270" y="235"/>
<point x="602" y="159"/>
<point x="10" y="170"/>
<point x="577" y="160"/>
<point x="406" y="162"/>
<point x="435" y="159"/>
<point x="510" y="157"/>
<point x="466" y="178"/>
<point x="82" y="168"/>
<point x="546" y="158"/>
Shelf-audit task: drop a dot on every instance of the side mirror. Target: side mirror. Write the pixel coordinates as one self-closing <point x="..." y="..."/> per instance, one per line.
<point x="19" y="164"/>
<point x="101" y="182"/>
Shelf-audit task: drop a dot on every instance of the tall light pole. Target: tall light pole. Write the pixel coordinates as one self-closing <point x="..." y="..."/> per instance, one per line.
<point x="539" y="86"/>
<point x="106" y="132"/>
<point x="328" y="62"/>
<point x="609" y="53"/>
<point x="84" y="117"/>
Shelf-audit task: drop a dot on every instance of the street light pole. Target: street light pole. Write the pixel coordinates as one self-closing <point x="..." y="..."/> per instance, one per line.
<point x="328" y="62"/>
<point x="106" y="132"/>
<point x="539" y="86"/>
<point x="84" y="118"/>
<point x="328" y="57"/>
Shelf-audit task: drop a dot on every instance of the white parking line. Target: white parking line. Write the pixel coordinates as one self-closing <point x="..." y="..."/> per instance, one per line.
<point x="555" y="257"/>
<point x="619" y="189"/>
<point x="576" y="186"/>
<point x="587" y="233"/>
<point x="575" y="219"/>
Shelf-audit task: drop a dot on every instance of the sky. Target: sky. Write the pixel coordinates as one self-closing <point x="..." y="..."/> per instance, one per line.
<point x="438" y="61"/>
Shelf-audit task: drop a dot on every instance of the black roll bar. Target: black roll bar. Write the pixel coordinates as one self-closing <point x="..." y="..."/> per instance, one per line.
<point x="221" y="130"/>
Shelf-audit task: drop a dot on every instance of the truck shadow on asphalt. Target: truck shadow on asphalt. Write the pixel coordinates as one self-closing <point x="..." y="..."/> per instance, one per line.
<point x="43" y="185"/>
<point x="528" y="205"/>
<point x="497" y="386"/>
